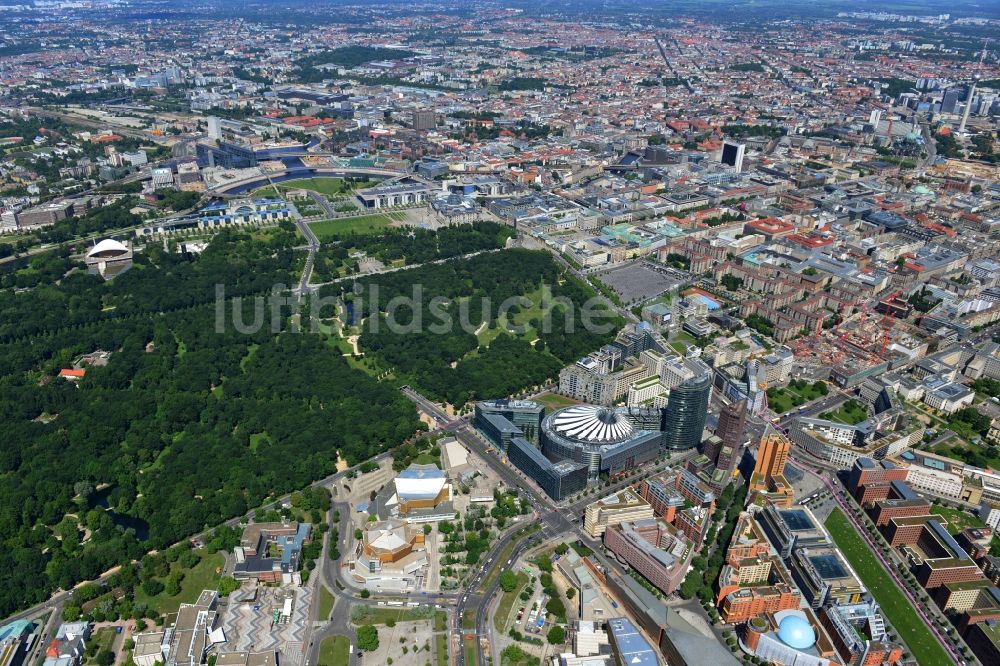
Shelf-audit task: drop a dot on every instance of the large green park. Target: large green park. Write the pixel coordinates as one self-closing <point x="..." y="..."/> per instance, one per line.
<point x="200" y="416"/>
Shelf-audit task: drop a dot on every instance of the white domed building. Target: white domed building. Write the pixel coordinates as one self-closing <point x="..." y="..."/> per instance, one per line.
<point x="605" y="439"/>
<point x="108" y="258"/>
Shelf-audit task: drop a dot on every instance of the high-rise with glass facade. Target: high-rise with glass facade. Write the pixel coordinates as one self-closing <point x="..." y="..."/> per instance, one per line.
<point x="687" y="407"/>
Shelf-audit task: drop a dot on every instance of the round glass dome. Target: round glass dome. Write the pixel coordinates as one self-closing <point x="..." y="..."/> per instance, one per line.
<point x="795" y="632"/>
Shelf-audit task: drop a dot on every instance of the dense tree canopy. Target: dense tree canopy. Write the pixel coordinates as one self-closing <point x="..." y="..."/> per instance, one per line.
<point x="448" y="362"/>
<point x="185" y="426"/>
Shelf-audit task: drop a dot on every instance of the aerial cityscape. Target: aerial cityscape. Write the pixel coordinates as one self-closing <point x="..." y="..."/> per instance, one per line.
<point x="499" y="333"/>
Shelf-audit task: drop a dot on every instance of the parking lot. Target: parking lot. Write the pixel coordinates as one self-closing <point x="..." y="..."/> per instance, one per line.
<point x="637" y="282"/>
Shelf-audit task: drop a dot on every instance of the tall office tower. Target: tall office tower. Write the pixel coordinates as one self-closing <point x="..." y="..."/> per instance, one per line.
<point x="950" y="100"/>
<point x="968" y="104"/>
<point x="732" y="154"/>
<point x="875" y="118"/>
<point x="424" y="120"/>
<point x="687" y="407"/>
<point x="214" y="127"/>
<point x="772" y="454"/>
<point x="732" y="425"/>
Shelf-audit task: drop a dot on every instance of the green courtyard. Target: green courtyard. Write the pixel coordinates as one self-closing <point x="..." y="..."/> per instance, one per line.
<point x="798" y="392"/>
<point x="851" y="412"/>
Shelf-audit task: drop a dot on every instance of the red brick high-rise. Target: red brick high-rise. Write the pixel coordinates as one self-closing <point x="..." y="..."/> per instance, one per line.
<point x="731" y="428"/>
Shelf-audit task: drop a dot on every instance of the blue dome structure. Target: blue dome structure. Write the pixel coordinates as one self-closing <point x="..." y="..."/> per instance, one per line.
<point x="796" y="633"/>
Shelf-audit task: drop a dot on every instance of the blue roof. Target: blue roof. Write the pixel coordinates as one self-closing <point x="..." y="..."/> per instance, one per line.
<point x="15" y="628"/>
<point x="796" y="633"/>
<point x="631" y="646"/>
<point x="903" y="491"/>
<point x="293" y="544"/>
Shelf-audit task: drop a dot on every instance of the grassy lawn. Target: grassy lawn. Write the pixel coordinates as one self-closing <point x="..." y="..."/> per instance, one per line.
<point x="441" y="649"/>
<point x="849" y="413"/>
<point x="507" y="601"/>
<point x="326" y="600"/>
<point x="519" y="320"/>
<point x="896" y="607"/>
<point x="469" y="646"/>
<point x="103" y="639"/>
<point x="335" y="651"/>
<point x="201" y="577"/>
<point x="469" y="619"/>
<point x="555" y="401"/>
<point x="781" y="400"/>
<point x="327" y="186"/>
<point x="257" y="439"/>
<point x="12" y="239"/>
<point x="440" y="621"/>
<point x="957" y="520"/>
<point x="365" y="224"/>
<point x="682" y="336"/>
<point x="427" y="459"/>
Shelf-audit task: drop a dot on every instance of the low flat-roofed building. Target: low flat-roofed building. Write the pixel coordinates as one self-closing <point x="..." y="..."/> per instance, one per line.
<point x="148" y="649"/>
<point x="269" y="658"/>
<point x="967" y="595"/>
<point x="616" y="508"/>
<point x="984" y="641"/>
<point x="589" y="642"/>
<point x="949" y="398"/>
<point x="454" y="457"/>
<point x="253" y="559"/>
<point x="385" y="196"/>
<point x="628" y="644"/>
<point x="824" y="576"/>
<point x="791" y="528"/>
<point x="186" y="642"/>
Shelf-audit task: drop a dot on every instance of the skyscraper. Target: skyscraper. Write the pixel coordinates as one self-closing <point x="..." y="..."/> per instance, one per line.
<point x="949" y="101"/>
<point x="732" y="424"/>
<point x="732" y="154"/>
<point x="875" y="118"/>
<point x="214" y="127"/>
<point x="687" y="407"/>
<point x="424" y="120"/>
<point x="772" y="454"/>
